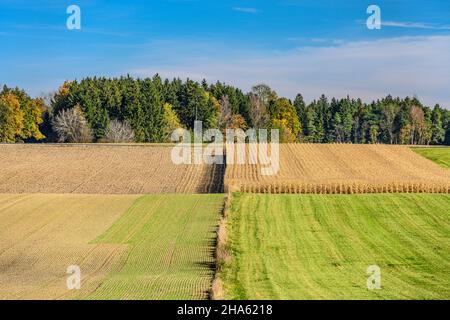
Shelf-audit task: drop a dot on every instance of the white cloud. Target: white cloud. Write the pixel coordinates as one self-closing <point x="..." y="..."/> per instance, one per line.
<point x="403" y="66"/>
<point x="246" y="10"/>
<point x="415" y="25"/>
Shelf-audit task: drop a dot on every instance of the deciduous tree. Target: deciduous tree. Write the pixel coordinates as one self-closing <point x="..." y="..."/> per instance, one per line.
<point x="71" y="126"/>
<point x="11" y="118"/>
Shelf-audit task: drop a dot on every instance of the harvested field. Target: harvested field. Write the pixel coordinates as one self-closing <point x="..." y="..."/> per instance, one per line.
<point x="320" y="246"/>
<point x="342" y="169"/>
<point x="102" y="169"/>
<point x="41" y="235"/>
<point x="127" y="247"/>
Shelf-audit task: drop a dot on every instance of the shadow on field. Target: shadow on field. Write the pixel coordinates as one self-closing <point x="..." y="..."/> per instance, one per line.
<point x="211" y="264"/>
<point x="212" y="179"/>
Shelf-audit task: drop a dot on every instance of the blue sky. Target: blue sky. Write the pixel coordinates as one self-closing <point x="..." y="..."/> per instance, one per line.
<point x="305" y="46"/>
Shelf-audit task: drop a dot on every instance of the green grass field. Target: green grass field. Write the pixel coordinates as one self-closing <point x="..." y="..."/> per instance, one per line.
<point x="171" y="244"/>
<point x="439" y="155"/>
<point x="320" y="246"/>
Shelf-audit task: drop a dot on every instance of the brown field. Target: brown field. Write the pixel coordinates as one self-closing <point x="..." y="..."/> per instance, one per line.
<point x="41" y="235"/>
<point x="342" y="168"/>
<point x="148" y="169"/>
<point x="102" y="169"/>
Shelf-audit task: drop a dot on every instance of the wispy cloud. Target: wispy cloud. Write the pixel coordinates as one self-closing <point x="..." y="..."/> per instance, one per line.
<point x="246" y="10"/>
<point x="415" y="25"/>
<point x="404" y="66"/>
<point x="317" y="41"/>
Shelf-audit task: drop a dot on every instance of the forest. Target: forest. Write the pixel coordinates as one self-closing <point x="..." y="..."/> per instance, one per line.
<point x="126" y="109"/>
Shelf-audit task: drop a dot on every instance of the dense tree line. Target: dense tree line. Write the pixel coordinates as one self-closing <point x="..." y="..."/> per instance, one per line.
<point x="389" y="120"/>
<point x="148" y="110"/>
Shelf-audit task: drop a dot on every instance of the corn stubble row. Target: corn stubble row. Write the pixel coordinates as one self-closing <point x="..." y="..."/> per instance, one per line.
<point x="344" y="188"/>
<point x="342" y="169"/>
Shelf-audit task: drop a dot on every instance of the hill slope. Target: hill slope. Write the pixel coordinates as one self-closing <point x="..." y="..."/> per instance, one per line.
<point x="342" y="168"/>
<point x="320" y="246"/>
<point x="102" y="169"/>
<point x="127" y="247"/>
<point x="440" y="155"/>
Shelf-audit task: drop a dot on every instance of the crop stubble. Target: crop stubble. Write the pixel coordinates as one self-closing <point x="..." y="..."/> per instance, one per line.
<point x="42" y="235"/>
<point x="102" y="169"/>
<point x="342" y="169"/>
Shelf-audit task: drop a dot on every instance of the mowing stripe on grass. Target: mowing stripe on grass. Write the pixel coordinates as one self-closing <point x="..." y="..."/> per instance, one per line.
<point x="319" y="246"/>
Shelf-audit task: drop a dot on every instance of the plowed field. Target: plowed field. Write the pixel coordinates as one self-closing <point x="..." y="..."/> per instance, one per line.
<point x="102" y="169"/>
